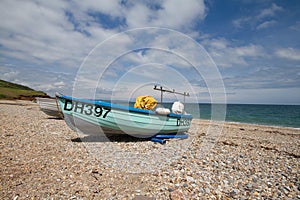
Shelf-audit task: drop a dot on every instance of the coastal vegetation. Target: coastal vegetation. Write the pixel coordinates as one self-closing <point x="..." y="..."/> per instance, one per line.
<point x="11" y="91"/>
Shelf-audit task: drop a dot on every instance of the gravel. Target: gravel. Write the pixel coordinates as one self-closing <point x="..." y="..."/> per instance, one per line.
<point x="42" y="158"/>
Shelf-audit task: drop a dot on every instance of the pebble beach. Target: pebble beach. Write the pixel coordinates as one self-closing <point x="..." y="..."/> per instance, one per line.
<point x="42" y="158"/>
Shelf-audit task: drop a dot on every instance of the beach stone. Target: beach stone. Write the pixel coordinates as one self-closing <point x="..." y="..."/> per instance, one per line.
<point x="256" y="194"/>
<point x="249" y="186"/>
<point x="260" y="162"/>
<point x="233" y="192"/>
<point x="177" y="195"/>
<point x="190" y="179"/>
<point x="200" y="190"/>
<point x="207" y="190"/>
<point x="287" y="188"/>
<point x="142" y="197"/>
<point x="254" y="179"/>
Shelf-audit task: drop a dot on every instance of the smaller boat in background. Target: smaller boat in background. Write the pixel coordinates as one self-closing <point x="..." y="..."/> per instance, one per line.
<point x="50" y="107"/>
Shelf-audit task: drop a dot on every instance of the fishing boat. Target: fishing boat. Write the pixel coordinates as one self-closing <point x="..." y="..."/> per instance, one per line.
<point x="97" y="116"/>
<point x="50" y="107"/>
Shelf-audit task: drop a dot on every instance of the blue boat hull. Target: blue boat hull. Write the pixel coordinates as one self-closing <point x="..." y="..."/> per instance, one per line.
<point x="92" y="117"/>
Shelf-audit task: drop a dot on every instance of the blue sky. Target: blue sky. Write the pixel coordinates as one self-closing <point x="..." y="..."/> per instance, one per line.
<point x="255" y="46"/>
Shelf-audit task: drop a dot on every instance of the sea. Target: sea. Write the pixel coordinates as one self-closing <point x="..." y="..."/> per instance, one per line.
<point x="273" y="115"/>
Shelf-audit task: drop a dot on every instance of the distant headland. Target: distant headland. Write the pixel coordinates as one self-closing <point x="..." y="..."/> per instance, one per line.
<point x="12" y="91"/>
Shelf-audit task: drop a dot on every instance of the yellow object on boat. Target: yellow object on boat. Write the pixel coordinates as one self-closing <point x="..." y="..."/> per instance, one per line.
<point x="145" y="102"/>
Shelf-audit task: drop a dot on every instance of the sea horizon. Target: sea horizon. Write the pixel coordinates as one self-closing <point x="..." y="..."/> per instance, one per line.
<point x="281" y="115"/>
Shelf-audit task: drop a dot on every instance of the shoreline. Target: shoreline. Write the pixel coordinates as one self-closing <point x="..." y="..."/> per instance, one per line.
<point x="42" y="158"/>
<point x="254" y="124"/>
<point x="28" y="102"/>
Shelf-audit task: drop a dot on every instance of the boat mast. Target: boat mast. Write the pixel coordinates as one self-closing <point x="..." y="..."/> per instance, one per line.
<point x="162" y="90"/>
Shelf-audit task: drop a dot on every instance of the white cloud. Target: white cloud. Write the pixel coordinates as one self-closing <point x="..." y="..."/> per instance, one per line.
<point x="169" y="49"/>
<point x="239" y="23"/>
<point x="9" y="75"/>
<point x="269" y="12"/>
<point x="108" y="7"/>
<point x="38" y="32"/>
<point x="250" y="50"/>
<point x="180" y="13"/>
<point x="288" y="53"/>
<point x="65" y="32"/>
<point x="266" y="24"/>
<point x="265" y="77"/>
<point x="218" y="43"/>
<point x="174" y="14"/>
<point x="264" y="96"/>
<point x="296" y="26"/>
<point x="139" y="15"/>
<point x="42" y="37"/>
<point x="47" y="81"/>
<point x="259" y="21"/>
<point x="226" y="54"/>
<point x="43" y="33"/>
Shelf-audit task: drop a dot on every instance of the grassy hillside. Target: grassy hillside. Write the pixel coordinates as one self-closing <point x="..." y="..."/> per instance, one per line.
<point x="10" y="90"/>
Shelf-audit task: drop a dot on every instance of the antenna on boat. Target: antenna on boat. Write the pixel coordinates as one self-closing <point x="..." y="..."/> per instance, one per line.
<point x="162" y="90"/>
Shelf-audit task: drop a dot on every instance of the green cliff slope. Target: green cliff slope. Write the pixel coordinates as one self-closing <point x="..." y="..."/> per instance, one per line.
<point x="10" y="90"/>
